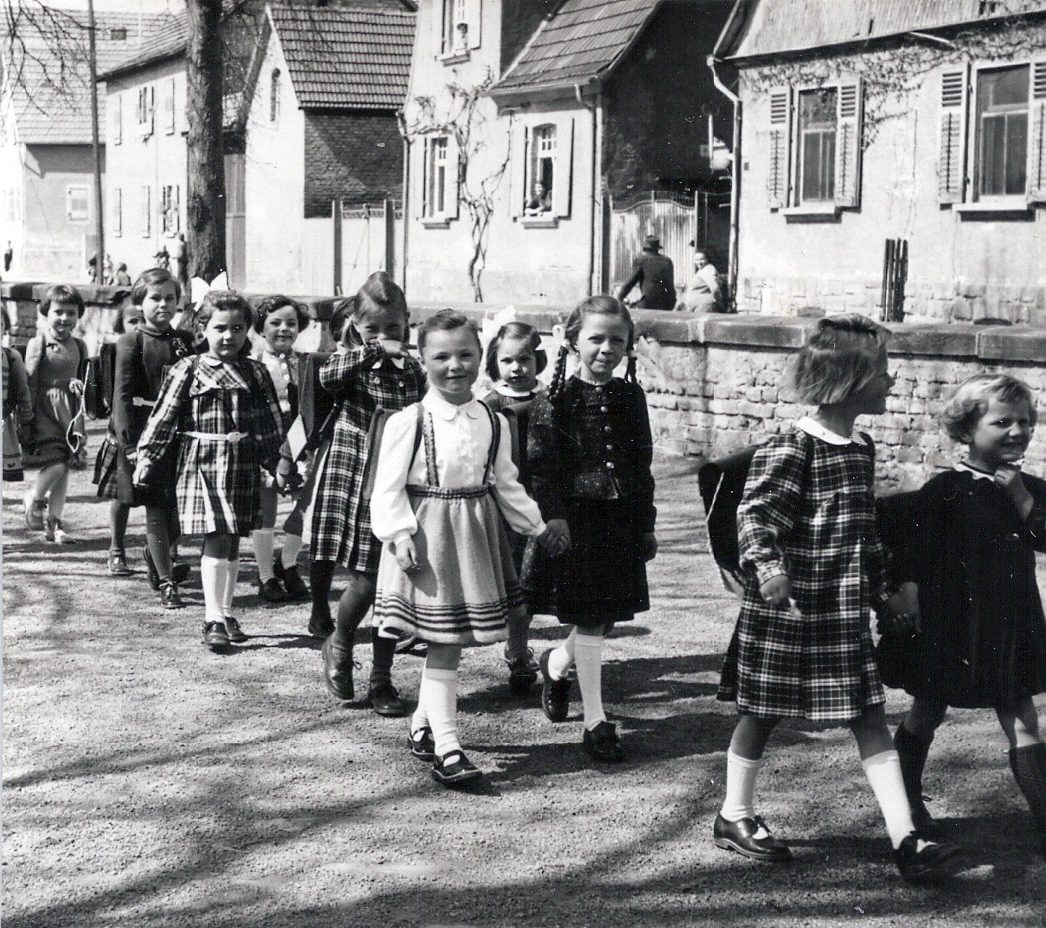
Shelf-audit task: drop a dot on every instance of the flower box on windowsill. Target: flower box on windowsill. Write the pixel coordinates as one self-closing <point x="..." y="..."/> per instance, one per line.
<point x="541" y="221"/>
<point x="1016" y="208"/>
<point x="436" y="222"/>
<point x="811" y="212"/>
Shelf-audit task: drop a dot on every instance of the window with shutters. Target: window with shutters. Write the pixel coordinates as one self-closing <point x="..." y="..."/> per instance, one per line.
<point x="814" y="148"/>
<point x="170" y="214"/>
<point x="169" y="97"/>
<point x="146" y="102"/>
<point x="439" y="193"/>
<point x="77" y="203"/>
<point x="459" y="27"/>
<point x="118" y="212"/>
<point x="542" y="173"/>
<point x="993" y="137"/>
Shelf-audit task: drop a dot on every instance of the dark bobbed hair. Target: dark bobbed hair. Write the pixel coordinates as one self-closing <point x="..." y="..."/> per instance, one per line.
<point x="446" y="320"/>
<point x="62" y="293"/>
<point x="118" y="327"/>
<point x="840" y="356"/>
<point x="154" y="277"/>
<point x="969" y="402"/>
<point x="218" y="301"/>
<point x="272" y="303"/>
<point x="519" y="331"/>
<point x="379" y="291"/>
<point x="599" y="305"/>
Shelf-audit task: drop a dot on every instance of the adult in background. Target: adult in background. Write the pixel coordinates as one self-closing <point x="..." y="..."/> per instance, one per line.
<point x="654" y="275"/>
<point x="703" y="293"/>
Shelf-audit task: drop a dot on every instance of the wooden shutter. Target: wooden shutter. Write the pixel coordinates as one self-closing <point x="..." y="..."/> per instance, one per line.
<point x="475" y="21"/>
<point x="1037" y="134"/>
<point x="777" y="177"/>
<point x="517" y="178"/>
<point x="117" y="119"/>
<point x="168" y="106"/>
<point x="951" y="164"/>
<point x="453" y="178"/>
<point x="421" y="178"/>
<point x="176" y="206"/>
<point x="563" y="176"/>
<point x="848" y="144"/>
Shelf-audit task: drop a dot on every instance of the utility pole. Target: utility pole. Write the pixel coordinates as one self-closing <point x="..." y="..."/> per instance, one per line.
<point x="96" y="148"/>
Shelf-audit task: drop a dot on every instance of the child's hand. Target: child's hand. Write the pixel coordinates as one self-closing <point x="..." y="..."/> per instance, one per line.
<point x="1009" y="479"/>
<point x="556" y="537"/>
<point x="391" y="347"/>
<point x="141" y="472"/>
<point x="901" y="615"/>
<point x="649" y="546"/>
<point x="777" y="590"/>
<point x="76" y="387"/>
<point x="406" y="555"/>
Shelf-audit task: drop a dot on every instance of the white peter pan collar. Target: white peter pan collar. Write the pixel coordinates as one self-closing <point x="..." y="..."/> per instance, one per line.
<point x="507" y="391"/>
<point x="438" y="406"/>
<point x="962" y="466"/>
<point x="812" y="427"/>
<point x="396" y="362"/>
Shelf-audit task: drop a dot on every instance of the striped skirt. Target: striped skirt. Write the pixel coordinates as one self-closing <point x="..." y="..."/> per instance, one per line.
<point x="466" y="584"/>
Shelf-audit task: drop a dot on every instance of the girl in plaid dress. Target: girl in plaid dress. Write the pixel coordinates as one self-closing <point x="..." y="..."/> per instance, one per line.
<point x="373" y="371"/>
<point x="815" y="566"/>
<point x="221" y="413"/>
<point x="444" y="480"/>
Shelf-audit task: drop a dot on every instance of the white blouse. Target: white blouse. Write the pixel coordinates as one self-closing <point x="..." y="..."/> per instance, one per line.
<point x="281" y="371"/>
<point x="462" y="437"/>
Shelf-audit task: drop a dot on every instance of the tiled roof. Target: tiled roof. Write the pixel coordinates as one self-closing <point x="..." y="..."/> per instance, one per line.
<point x="47" y="114"/>
<point x="347" y="58"/>
<point x="582" y="41"/>
<point x="168" y="42"/>
<point x="767" y="27"/>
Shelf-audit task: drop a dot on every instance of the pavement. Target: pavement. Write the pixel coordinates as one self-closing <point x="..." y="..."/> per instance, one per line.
<point x="148" y="782"/>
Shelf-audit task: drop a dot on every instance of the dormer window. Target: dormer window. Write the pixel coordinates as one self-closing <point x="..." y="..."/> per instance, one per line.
<point x="274" y="96"/>
<point x="459" y="30"/>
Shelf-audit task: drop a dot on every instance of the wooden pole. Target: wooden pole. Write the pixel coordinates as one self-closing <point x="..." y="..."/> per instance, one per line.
<point x="96" y="148"/>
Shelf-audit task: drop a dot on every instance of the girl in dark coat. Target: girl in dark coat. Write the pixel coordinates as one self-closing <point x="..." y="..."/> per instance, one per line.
<point x="967" y="541"/>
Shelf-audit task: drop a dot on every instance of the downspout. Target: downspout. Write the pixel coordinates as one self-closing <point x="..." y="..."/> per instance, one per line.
<point x="597" y="148"/>
<point x="401" y="124"/>
<point x="735" y="176"/>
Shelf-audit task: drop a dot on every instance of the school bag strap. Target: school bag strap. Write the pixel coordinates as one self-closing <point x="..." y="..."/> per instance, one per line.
<point x="373" y="445"/>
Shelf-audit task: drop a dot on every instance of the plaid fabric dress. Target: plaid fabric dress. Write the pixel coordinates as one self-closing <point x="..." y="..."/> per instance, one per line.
<point x="363" y="379"/>
<point x="217" y="482"/>
<point x="808" y="512"/>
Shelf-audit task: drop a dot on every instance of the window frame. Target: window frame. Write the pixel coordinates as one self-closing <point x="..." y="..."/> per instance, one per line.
<point x="458" y="28"/>
<point x="118" y="212"/>
<point x="440" y="163"/>
<point x="82" y="193"/>
<point x="975" y="139"/>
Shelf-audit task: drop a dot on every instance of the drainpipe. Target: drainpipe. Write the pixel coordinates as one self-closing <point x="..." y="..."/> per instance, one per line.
<point x="735" y="174"/>
<point x="597" y="150"/>
<point x="401" y="123"/>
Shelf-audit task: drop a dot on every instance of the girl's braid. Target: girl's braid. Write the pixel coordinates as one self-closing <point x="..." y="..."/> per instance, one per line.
<point x="559" y="376"/>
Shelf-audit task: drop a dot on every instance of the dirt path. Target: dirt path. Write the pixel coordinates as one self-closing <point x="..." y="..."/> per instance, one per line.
<point x="148" y="782"/>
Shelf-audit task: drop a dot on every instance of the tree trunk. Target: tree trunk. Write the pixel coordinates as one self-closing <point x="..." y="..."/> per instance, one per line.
<point x="206" y="194"/>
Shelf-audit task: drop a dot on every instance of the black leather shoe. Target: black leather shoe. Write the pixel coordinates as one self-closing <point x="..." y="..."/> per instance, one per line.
<point x="271" y="592"/>
<point x="169" y="596"/>
<point x="321" y="625"/>
<point x="740" y="836"/>
<point x="522" y="673"/>
<point x="601" y="744"/>
<point x="337" y="670"/>
<point x="422" y="744"/>
<point x="151" y="571"/>
<point x="214" y="636"/>
<point x="454" y="769"/>
<point x="555" y="694"/>
<point x="296" y="589"/>
<point x="385" y="700"/>
<point x="933" y="861"/>
<point x="233" y="630"/>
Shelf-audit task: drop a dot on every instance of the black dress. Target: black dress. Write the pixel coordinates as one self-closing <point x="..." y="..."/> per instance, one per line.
<point x="983" y="637"/>
<point x="589" y="462"/>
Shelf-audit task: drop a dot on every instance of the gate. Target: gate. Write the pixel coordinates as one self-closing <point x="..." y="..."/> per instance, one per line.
<point x="364" y="241"/>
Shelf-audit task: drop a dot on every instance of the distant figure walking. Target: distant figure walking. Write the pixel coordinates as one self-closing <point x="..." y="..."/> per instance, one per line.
<point x="655" y="276"/>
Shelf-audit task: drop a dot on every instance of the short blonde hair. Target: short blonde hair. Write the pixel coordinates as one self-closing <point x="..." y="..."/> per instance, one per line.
<point x="969" y="402"/>
<point x="841" y="355"/>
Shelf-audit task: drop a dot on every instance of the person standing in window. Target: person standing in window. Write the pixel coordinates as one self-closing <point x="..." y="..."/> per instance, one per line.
<point x="654" y="275"/>
<point x="540" y="202"/>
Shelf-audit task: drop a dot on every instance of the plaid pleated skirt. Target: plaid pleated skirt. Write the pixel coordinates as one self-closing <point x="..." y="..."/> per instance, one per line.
<point x="217" y="485"/>
<point x="466" y="585"/>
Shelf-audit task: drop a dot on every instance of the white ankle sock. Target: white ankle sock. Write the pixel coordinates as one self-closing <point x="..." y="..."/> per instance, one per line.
<point x="262" y="539"/>
<point x="213" y="573"/>
<point x="438" y="693"/>
<point x="741" y="774"/>
<point x="230" y="586"/>
<point x="420" y="718"/>
<point x="291" y="547"/>
<point x="562" y="658"/>
<point x="588" y="657"/>
<point x="884" y="774"/>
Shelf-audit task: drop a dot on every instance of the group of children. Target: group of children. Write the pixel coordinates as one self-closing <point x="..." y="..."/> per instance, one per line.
<point x="460" y="519"/>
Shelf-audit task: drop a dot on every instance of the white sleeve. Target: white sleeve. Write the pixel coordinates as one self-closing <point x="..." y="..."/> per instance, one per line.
<point x="391" y="515"/>
<point x="519" y="510"/>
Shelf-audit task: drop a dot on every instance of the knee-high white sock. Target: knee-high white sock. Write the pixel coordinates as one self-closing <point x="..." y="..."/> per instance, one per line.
<point x="291" y="547"/>
<point x="213" y="573"/>
<point x="229" y="590"/>
<point x="884" y="774"/>
<point x="741" y="773"/>
<point x="261" y="538"/>
<point x="588" y="656"/>
<point x="439" y="695"/>
<point x="562" y="658"/>
<point x="420" y="718"/>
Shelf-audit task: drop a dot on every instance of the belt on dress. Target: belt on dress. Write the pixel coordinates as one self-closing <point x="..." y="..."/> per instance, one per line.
<point x="231" y="437"/>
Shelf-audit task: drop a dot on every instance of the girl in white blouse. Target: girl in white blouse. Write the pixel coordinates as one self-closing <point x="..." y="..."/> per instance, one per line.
<point x="446" y="573"/>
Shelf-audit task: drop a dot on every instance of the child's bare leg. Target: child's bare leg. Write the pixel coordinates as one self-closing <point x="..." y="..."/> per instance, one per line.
<point x="118" y="516"/>
<point x="912" y="741"/>
<point x="1020" y="725"/>
<point x="46" y="479"/>
<point x="1027" y="759"/>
